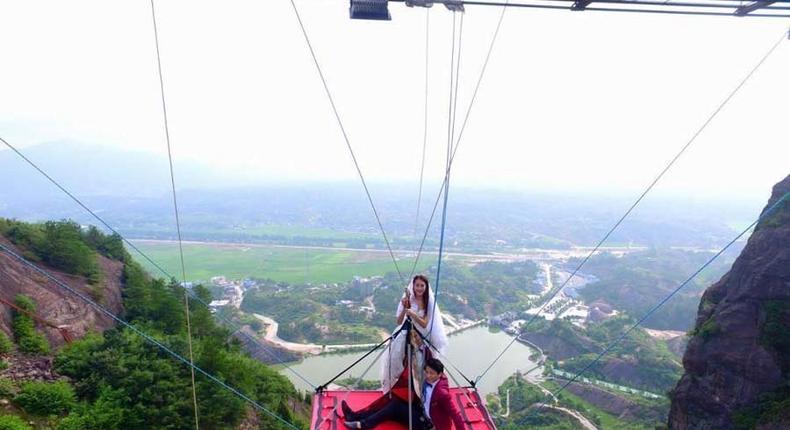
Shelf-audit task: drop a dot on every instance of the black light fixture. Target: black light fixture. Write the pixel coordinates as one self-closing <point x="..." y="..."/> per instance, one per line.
<point x="369" y="9"/>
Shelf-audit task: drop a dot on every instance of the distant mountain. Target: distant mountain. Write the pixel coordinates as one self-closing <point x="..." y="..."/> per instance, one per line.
<point x="132" y="190"/>
<point x="89" y="171"/>
<point x="99" y="170"/>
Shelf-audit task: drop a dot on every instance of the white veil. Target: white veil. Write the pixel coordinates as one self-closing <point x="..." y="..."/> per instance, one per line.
<point x="435" y="331"/>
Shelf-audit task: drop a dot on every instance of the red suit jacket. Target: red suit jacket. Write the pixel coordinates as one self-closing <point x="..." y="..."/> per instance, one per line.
<point x="444" y="412"/>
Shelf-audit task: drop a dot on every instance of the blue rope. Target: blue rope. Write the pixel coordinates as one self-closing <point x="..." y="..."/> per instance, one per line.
<point x="647" y="315"/>
<point x="145" y="336"/>
<point x="236" y="327"/>
<point x="450" y="136"/>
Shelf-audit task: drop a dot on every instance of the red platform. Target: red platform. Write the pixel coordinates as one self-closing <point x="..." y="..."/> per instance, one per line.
<point x="326" y="403"/>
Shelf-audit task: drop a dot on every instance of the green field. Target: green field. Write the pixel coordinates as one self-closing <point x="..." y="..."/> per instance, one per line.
<point x="293" y="265"/>
<point x="260" y="232"/>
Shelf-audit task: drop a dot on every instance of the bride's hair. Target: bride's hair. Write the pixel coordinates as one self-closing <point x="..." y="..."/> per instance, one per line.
<point x="427" y="295"/>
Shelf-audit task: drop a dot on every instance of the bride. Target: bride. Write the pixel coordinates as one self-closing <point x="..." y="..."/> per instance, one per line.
<point x="419" y="305"/>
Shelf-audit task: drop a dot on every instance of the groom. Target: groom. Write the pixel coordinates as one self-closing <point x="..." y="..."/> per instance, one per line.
<point x="437" y="404"/>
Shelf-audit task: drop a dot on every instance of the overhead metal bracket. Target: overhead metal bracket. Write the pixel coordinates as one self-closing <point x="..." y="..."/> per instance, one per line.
<point x="751" y="7"/>
<point x="420" y="3"/>
<point x="454" y="5"/>
<point x="581" y="4"/>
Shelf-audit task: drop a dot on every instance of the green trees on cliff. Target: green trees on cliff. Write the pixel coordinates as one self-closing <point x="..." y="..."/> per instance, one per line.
<point x="27" y="338"/>
<point x="63" y="245"/>
<point x="118" y="380"/>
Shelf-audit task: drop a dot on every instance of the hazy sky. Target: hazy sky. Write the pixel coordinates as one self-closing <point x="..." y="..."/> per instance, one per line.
<point x="571" y="101"/>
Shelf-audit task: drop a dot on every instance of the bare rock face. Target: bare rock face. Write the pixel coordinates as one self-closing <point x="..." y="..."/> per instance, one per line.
<point x="23" y="368"/>
<point x="738" y="352"/>
<point x="55" y="304"/>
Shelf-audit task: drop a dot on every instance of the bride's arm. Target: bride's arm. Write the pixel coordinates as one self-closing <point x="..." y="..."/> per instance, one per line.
<point x="402" y="316"/>
<point x="404" y="307"/>
<point x="423" y="322"/>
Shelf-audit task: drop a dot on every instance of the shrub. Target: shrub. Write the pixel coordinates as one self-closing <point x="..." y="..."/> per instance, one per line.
<point x="106" y="413"/>
<point x="708" y="329"/>
<point x="773" y="331"/>
<point x="7" y="388"/>
<point x="45" y="398"/>
<point x="12" y="422"/>
<point x="65" y="249"/>
<point x="5" y="344"/>
<point x="29" y="341"/>
<point x="27" y="236"/>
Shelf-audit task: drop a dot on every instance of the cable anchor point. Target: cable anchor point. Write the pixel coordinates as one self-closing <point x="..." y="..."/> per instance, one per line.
<point x="454" y="5"/>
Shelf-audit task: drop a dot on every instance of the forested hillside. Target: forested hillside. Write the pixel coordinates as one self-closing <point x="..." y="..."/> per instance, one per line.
<point x="635" y="282"/>
<point x="117" y="380"/>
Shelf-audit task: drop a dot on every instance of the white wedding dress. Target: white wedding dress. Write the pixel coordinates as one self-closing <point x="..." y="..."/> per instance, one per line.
<point x="392" y="358"/>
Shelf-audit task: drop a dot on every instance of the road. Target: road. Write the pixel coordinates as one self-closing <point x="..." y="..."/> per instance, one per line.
<point x="537" y="254"/>
<point x="587" y="424"/>
<point x="271" y="336"/>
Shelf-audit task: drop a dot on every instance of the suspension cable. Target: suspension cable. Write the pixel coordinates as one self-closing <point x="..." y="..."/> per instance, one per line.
<point x="145" y="256"/>
<point x="425" y="121"/>
<point x="455" y="66"/>
<point x="144" y="335"/>
<point x="639" y="199"/>
<point x="663" y="301"/>
<point x="460" y="134"/>
<point x="346" y="139"/>
<point x="175" y="209"/>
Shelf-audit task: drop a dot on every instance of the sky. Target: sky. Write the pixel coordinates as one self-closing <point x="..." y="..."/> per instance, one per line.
<point x="581" y="101"/>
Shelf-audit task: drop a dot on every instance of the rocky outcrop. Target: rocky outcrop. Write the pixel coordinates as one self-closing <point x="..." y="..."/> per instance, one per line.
<point x="56" y="305"/>
<point x="677" y="345"/>
<point x="740" y="350"/>
<point x="24" y="368"/>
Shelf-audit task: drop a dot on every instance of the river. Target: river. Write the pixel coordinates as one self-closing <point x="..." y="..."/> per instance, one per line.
<point x="471" y="350"/>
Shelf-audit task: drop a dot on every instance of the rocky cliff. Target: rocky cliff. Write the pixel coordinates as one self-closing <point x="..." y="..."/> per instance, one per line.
<point x="56" y="305"/>
<point x="737" y="364"/>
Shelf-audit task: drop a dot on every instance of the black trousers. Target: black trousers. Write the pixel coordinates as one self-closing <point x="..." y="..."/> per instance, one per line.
<point x="397" y="410"/>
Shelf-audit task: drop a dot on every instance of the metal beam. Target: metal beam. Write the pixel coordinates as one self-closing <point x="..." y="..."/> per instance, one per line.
<point x="751" y="7"/>
<point x="722" y="8"/>
<point x="454" y="5"/>
<point x="581" y="4"/>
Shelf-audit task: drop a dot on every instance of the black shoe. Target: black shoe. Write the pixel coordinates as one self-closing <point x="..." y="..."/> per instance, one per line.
<point x="352" y="424"/>
<point x="348" y="413"/>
